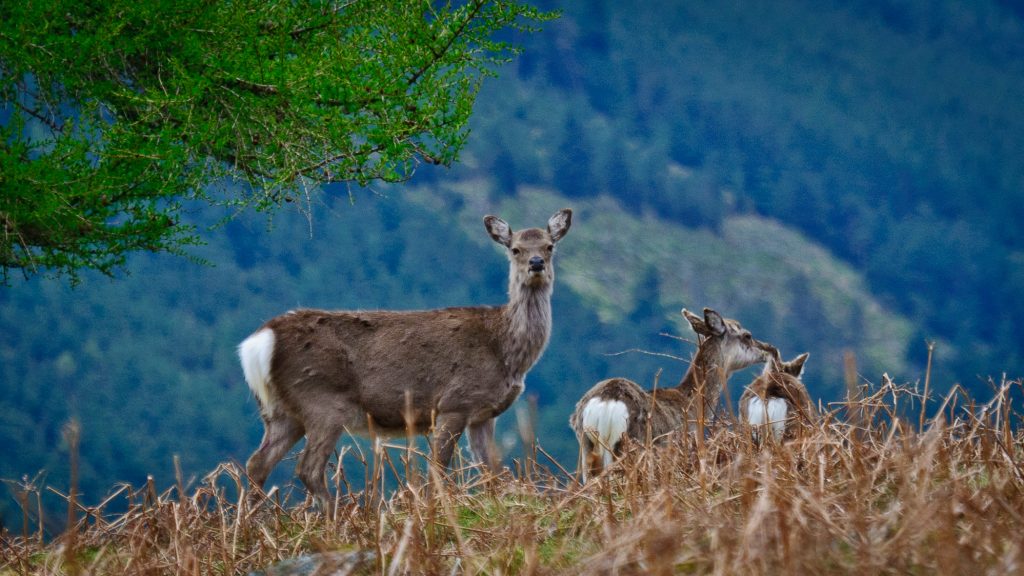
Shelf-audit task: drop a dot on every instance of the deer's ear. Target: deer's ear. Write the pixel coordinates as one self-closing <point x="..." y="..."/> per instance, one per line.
<point x="795" y="367"/>
<point x="559" y="223"/>
<point x="695" y="322"/>
<point x="714" y="322"/>
<point x="499" y="230"/>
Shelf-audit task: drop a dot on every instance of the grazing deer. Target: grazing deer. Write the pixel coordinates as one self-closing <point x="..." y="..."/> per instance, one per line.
<point x="318" y="374"/>
<point x="777" y="398"/>
<point x="618" y="408"/>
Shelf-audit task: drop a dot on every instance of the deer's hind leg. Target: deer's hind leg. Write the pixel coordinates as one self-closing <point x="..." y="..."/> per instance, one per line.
<point x="312" y="466"/>
<point x="590" y="456"/>
<point x="481" y="442"/>
<point x="280" y="433"/>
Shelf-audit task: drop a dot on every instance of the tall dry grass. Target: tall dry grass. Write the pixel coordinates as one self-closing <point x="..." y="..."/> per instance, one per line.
<point x="866" y="490"/>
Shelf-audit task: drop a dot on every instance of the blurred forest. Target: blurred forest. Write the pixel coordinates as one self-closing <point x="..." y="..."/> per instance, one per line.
<point x="836" y="175"/>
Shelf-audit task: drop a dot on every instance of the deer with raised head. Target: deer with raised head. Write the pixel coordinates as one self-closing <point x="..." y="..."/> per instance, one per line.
<point x="617" y="408"/>
<point x="318" y="373"/>
<point x="777" y="399"/>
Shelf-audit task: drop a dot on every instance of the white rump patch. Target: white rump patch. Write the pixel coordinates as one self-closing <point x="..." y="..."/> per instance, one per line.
<point x="773" y="413"/>
<point x="255" y="352"/>
<point x="605" y="421"/>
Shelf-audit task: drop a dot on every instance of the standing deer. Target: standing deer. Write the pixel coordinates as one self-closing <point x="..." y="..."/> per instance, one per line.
<point x="319" y="373"/>
<point x="777" y="398"/>
<point x="618" y="407"/>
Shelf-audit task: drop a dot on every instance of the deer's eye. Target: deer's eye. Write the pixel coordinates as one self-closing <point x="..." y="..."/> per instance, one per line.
<point x="516" y="251"/>
<point x="747" y="337"/>
<point x="551" y="247"/>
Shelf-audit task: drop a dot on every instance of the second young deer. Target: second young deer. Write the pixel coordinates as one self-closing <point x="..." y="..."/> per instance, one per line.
<point x="777" y="402"/>
<point x="617" y="408"/>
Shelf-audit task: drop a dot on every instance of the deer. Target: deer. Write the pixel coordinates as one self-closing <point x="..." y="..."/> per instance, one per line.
<point x="318" y="373"/>
<point x="617" y="408"/>
<point x="777" y="400"/>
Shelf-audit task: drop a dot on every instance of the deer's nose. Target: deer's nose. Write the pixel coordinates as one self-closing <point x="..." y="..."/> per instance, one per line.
<point x="536" y="264"/>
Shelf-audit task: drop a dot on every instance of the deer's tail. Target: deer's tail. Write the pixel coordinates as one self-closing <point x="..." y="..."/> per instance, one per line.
<point x="604" y="422"/>
<point x="770" y="413"/>
<point x="256" y="352"/>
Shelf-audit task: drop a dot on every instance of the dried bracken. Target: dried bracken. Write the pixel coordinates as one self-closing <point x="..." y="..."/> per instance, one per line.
<point x="865" y="491"/>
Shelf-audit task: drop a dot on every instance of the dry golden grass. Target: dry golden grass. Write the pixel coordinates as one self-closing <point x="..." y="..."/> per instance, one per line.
<point x="861" y="492"/>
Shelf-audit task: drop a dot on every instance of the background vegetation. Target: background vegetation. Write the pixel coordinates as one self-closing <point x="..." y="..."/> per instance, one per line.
<point x="838" y="176"/>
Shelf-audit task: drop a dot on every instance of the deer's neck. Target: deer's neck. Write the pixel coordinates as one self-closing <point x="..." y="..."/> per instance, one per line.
<point x="706" y="373"/>
<point x="528" y="326"/>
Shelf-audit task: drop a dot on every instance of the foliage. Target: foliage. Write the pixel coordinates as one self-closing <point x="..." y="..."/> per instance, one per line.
<point x="115" y="113"/>
<point x="860" y="492"/>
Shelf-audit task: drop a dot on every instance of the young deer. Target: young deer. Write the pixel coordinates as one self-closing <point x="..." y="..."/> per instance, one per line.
<point x="317" y="373"/>
<point x="777" y="398"/>
<point x="618" y="407"/>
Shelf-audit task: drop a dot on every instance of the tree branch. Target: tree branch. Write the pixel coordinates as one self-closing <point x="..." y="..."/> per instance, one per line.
<point x="477" y="6"/>
<point x="50" y="122"/>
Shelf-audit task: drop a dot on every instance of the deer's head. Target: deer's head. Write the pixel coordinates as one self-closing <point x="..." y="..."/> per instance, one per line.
<point x="530" y="251"/>
<point x="794" y="367"/>
<point x="735" y="346"/>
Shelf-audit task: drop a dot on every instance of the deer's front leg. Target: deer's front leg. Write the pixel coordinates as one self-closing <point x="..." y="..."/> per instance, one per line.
<point x="447" y="431"/>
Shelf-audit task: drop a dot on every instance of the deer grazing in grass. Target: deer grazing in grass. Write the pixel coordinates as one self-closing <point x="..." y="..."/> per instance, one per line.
<point x="777" y="400"/>
<point x="618" y="408"/>
<point x="319" y="373"/>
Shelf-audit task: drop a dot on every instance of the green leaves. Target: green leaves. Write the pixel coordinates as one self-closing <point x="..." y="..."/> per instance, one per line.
<point x="115" y="113"/>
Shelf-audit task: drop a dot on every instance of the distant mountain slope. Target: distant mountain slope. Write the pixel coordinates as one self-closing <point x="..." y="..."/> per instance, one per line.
<point x="785" y="287"/>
